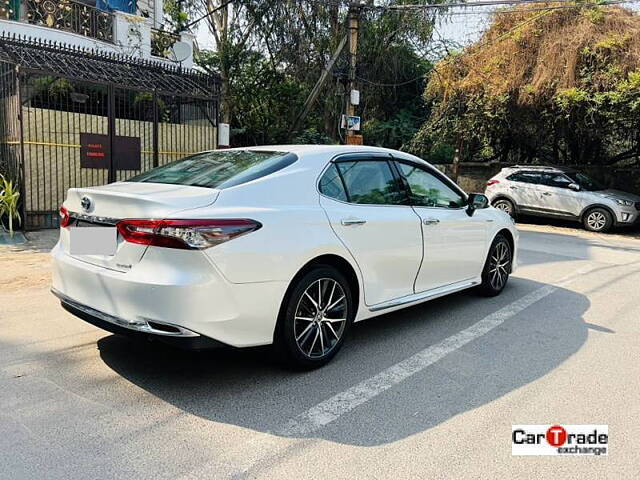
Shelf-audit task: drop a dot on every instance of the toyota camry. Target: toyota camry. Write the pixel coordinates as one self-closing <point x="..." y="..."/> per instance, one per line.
<point x="283" y="245"/>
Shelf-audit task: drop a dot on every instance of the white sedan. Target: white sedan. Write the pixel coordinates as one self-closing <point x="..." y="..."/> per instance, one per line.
<point x="284" y="245"/>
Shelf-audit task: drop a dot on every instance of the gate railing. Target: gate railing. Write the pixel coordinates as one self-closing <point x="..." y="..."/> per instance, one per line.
<point x="71" y="16"/>
<point x="77" y="118"/>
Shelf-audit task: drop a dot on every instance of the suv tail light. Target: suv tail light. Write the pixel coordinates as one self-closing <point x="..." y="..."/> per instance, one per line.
<point x="65" y="219"/>
<point x="492" y="182"/>
<point x="185" y="234"/>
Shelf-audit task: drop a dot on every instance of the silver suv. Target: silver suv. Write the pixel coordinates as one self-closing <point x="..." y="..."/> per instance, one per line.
<point x="562" y="193"/>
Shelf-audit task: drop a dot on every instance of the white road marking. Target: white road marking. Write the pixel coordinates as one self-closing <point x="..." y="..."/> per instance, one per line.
<point x="333" y="408"/>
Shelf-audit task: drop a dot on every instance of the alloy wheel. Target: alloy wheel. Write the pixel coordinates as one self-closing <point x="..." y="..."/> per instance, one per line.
<point x="504" y="206"/>
<point x="596" y="220"/>
<point x="320" y="318"/>
<point x="499" y="265"/>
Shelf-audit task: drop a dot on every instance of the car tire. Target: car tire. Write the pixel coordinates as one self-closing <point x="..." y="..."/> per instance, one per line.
<point x="597" y="220"/>
<point x="311" y="332"/>
<point x="506" y="206"/>
<point x="497" y="267"/>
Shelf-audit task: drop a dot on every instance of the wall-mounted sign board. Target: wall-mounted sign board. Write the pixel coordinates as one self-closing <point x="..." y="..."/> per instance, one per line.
<point x="95" y="152"/>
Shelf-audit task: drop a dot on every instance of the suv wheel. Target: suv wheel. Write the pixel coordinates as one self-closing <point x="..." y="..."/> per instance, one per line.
<point x="497" y="267"/>
<point x="315" y="319"/>
<point x="597" y="220"/>
<point x="506" y="206"/>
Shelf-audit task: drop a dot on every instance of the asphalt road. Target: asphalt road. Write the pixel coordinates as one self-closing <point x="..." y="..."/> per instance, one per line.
<point x="428" y="392"/>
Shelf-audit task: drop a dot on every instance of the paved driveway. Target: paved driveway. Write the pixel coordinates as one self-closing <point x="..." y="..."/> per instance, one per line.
<point x="428" y="392"/>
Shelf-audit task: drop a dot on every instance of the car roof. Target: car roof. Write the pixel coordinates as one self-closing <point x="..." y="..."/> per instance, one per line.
<point x="547" y="168"/>
<point x="307" y="150"/>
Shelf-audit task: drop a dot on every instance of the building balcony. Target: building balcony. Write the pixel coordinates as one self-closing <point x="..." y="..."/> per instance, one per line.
<point x="72" y="16"/>
<point x="81" y="23"/>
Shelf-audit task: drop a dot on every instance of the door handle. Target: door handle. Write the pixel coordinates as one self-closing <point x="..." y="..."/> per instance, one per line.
<point x="430" y="221"/>
<point x="352" y="221"/>
<point x="546" y="193"/>
<point x="513" y="188"/>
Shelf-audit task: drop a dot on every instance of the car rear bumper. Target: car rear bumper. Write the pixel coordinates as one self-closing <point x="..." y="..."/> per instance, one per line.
<point x="177" y="296"/>
<point x="179" y="337"/>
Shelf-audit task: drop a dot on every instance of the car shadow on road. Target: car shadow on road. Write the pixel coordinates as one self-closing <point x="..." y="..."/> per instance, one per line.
<point x="247" y="389"/>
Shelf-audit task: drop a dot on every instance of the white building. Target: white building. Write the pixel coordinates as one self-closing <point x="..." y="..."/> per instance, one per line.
<point x="130" y="27"/>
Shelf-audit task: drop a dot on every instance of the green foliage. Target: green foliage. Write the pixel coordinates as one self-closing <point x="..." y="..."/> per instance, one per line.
<point x="311" y="136"/>
<point x="178" y="12"/>
<point x="9" y="197"/>
<point x="571" y="98"/>
<point x="595" y="15"/>
<point x="143" y="102"/>
<point x="614" y="42"/>
<point x="394" y="132"/>
<point x="61" y="87"/>
<point x="264" y="98"/>
<point x="273" y="53"/>
<point x="56" y="87"/>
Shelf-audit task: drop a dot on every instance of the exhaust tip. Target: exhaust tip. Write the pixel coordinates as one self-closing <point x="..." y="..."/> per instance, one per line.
<point x="164" y="328"/>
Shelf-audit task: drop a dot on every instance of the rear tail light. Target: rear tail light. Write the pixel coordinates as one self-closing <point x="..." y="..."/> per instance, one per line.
<point x="65" y="219"/>
<point x="185" y="234"/>
<point x="492" y="182"/>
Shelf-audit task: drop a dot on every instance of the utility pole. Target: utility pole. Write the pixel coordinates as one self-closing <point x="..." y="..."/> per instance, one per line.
<point x="317" y="87"/>
<point x="355" y="10"/>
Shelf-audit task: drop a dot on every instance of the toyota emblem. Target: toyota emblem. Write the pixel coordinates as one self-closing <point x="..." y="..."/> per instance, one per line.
<point x="85" y="203"/>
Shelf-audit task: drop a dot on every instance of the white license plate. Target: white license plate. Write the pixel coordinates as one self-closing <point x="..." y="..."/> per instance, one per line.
<point x="93" y="241"/>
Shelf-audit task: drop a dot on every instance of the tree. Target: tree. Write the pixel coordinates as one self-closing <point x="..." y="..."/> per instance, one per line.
<point x="302" y="35"/>
<point x="264" y="98"/>
<point x="269" y="54"/>
<point x="232" y="26"/>
<point x="557" y="85"/>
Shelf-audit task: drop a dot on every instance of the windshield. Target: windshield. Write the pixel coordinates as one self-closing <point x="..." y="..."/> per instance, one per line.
<point x="585" y="181"/>
<point x="218" y="169"/>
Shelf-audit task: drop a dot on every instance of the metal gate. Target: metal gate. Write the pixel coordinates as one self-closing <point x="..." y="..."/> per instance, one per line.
<point x="68" y="127"/>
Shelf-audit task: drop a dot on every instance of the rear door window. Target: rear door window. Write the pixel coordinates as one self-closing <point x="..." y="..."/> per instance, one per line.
<point x="371" y="182"/>
<point x="219" y="169"/>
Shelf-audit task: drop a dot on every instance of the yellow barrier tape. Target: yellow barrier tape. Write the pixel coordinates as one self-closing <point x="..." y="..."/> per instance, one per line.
<point x="46" y="144"/>
<point x="75" y="145"/>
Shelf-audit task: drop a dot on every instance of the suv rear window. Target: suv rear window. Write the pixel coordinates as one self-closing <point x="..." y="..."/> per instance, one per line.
<point x="218" y="169"/>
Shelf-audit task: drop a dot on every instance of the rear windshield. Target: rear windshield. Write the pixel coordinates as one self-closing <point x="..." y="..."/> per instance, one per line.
<point x="219" y="169"/>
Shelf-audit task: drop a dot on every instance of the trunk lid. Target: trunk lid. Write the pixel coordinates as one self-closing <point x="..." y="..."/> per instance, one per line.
<point x="103" y="206"/>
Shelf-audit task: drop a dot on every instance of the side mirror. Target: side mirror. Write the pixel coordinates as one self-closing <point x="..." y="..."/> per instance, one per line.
<point x="574" y="187"/>
<point x="476" y="201"/>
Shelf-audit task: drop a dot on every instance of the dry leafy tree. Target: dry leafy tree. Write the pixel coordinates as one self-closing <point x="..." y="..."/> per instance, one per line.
<point x="559" y="85"/>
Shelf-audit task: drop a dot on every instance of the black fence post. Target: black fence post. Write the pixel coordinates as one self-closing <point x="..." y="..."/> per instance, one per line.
<point x="21" y="170"/>
<point x="156" y="120"/>
<point x="111" y="131"/>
